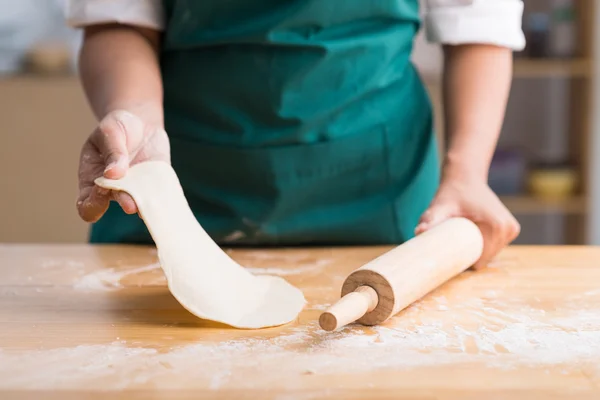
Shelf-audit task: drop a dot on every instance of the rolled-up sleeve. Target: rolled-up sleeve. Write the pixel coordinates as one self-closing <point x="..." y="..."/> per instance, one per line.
<point x="142" y="13"/>
<point x="496" y="22"/>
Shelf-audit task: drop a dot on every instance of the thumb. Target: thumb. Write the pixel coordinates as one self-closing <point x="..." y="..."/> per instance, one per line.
<point x="436" y="214"/>
<point x="115" y="134"/>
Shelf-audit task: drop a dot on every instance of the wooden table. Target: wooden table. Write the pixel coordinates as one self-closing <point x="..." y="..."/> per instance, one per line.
<point x="95" y="322"/>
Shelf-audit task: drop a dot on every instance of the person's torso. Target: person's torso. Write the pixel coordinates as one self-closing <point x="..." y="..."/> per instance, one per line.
<point x="295" y="121"/>
<point x="275" y="72"/>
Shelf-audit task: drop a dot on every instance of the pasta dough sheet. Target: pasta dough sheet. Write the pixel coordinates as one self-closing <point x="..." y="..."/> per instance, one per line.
<point x="201" y="276"/>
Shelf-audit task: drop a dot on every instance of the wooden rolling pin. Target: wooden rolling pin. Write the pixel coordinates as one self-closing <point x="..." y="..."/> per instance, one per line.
<point x="381" y="288"/>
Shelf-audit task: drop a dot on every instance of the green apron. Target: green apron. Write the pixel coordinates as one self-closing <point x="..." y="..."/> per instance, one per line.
<point x="294" y="122"/>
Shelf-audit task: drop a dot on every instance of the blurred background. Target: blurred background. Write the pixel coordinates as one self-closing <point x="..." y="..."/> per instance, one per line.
<point x="546" y="169"/>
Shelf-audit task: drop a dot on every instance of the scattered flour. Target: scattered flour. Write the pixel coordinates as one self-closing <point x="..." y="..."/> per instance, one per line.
<point x="110" y="278"/>
<point x="276" y="257"/>
<point x="298" y="270"/>
<point x="516" y="336"/>
<point x="320" y="307"/>
<point x="233" y="236"/>
<point x="493" y="331"/>
<point x="61" y="263"/>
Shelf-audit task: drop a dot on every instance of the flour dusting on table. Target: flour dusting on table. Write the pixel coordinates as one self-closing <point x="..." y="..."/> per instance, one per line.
<point x="493" y="331"/>
<point x="297" y="270"/>
<point x="110" y="278"/>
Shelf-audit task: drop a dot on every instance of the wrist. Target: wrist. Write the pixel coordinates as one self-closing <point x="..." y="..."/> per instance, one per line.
<point x="151" y="113"/>
<point x="465" y="168"/>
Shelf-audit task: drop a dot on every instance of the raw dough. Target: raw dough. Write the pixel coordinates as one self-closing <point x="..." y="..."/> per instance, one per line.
<point x="201" y="276"/>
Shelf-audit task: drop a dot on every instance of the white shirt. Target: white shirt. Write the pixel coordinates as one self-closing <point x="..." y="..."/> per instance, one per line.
<point x="496" y="22"/>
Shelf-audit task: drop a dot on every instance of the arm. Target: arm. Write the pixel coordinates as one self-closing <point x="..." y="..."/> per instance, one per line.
<point x="120" y="71"/>
<point x="121" y="76"/>
<point x="478" y="38"/>
<point x="477" y="81"/>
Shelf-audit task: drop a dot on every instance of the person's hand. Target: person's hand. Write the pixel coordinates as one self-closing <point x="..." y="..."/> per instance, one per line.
<point x="475" y="201"/>
<point x="121" y="139"/>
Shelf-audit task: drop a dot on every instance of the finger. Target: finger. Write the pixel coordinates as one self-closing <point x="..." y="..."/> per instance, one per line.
<point x="111" y="144"/>
<point x="486" y="257"/>
<point x="493" y="242"/>
<point x="435" y="215"/>
<point x="514" y="231"/>
<point x="426" y="216"/>
<point x="125" y="201"/>
<point x="113" y="137"/>
<point x="92" y="203"/>
<point x="116" y="166"/>
<point x="90" y="165"/>
<point x="506" y="229"/>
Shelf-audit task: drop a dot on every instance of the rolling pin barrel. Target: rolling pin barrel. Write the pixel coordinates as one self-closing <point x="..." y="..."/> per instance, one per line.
<point x="388" y="284"/>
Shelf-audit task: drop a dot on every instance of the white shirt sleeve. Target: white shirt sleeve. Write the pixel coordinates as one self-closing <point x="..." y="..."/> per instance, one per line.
<point x="497" y="22"/>
<point x="142" y="13"/>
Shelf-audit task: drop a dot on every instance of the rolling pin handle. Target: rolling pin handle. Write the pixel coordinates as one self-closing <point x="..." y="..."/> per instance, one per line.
<point x="349" y="308"/>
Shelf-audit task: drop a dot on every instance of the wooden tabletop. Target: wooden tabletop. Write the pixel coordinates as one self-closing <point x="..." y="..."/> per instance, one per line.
<point x="100" y="322"/>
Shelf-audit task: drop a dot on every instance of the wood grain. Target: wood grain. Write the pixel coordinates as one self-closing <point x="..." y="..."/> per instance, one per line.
<point x="413" y="269"/>
<point x="98" y="322"/>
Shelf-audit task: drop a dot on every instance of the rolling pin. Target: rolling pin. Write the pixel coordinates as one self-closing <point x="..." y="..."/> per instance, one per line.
<point x="388" y="284"/>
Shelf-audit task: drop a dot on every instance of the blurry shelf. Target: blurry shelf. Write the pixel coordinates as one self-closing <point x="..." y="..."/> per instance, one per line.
<point x="533" y="205"/>
<point x="29" y="77"/>
<point x="549" y="68"/>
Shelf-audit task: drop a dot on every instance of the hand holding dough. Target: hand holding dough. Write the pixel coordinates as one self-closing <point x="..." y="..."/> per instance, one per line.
<point x="204" y="279"/>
